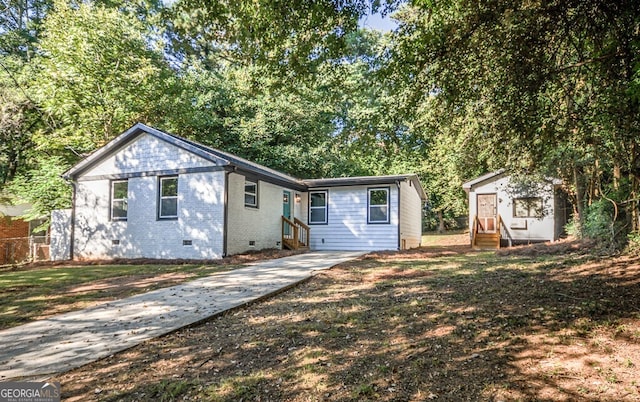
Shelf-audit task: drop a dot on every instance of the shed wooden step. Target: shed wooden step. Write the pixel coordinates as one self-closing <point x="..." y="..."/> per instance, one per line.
<point x="487" y="241"/>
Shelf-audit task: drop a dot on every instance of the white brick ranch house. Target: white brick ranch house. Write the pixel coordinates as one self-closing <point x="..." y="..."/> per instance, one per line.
<point x="150" y="194"/>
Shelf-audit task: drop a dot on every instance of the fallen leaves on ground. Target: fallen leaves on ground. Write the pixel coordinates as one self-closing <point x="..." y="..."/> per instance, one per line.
<point x="433" y="326"/>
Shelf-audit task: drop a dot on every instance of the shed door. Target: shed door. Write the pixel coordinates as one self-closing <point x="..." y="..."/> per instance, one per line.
<point x="487" y="213"/>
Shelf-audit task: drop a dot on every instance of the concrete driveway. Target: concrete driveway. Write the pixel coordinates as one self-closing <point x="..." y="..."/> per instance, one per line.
<point x="64" y="342"/>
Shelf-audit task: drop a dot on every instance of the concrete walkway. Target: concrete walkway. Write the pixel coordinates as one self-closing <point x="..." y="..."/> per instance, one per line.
<point x="67" y="341"/>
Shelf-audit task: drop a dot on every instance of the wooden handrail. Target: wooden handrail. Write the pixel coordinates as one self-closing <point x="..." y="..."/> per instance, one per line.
<point x="287" y="220"/>
<point x="474" y="229"/>
<point x="299" y="222"/>
<point x="499" y="229"/>
<point x="303" y="232"/>
<point x="298" y="235"/>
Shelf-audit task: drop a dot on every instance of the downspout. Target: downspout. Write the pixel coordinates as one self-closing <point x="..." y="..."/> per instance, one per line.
<point x="399" y="217"/>
<point x="72" y="234"/>
<point x="225" y="224"/>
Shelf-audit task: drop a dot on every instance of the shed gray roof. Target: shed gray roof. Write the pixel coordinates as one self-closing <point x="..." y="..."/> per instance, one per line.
<point x="486" y="177"/>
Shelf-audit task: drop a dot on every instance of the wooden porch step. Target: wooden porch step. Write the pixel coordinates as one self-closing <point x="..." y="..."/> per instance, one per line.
<point x="487" y="241"/>
<point x="295" y="234"/>
<point x="290" y="245"/>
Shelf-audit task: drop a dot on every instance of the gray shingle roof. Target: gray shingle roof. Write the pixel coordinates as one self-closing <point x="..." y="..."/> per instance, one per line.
<point x="230" y="161"/>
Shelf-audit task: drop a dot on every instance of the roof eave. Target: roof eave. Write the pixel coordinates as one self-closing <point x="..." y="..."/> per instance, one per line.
<point x="486" y="177"/>
<point x="367" y="180"/>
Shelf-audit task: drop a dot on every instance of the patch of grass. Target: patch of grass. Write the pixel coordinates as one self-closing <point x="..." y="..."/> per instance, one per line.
<point x="27" y="295"/>
<point x="237" y="388"/>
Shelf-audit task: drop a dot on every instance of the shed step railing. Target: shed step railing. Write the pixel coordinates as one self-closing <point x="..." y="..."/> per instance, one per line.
<point x="481" y="240"/>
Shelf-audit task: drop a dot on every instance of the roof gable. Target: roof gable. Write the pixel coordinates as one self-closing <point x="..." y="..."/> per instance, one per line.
<point x="484" y="178"/>
<point x="228" y="161"/>
<point x="127" y="138"/>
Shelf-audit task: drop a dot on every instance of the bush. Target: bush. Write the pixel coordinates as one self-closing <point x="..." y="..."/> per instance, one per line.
<point x="633" y="245"/>
<point x="598" y="224"/>
<point x="431" y="223"/>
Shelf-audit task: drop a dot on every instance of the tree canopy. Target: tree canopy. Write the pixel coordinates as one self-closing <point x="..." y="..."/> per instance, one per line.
<point x="459" y="88"/>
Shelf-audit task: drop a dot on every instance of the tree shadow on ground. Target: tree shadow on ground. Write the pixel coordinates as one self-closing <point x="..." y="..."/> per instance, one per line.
<point x="455" y="327"/>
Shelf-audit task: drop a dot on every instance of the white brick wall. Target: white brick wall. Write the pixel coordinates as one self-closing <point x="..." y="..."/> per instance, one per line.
<point x="200" y="219"/>
<point x="200" y="208"/>
<point x="263" y="225"/>
<point x="60" y="233"/>
<point x="146" y="154"/>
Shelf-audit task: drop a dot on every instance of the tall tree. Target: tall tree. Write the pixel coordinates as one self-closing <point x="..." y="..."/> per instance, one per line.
<point x="18" y="118"/>
<point x="542" y="86"/>
<point x="97" y="76"/>
<point x="20" y="26"/>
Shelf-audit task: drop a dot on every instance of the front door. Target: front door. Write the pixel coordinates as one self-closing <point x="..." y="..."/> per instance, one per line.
<point x="487" y="213"/>
<point x="286" y="210"/>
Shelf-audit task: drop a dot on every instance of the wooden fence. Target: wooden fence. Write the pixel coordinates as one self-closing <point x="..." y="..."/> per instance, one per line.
<point x="24" y="249"/>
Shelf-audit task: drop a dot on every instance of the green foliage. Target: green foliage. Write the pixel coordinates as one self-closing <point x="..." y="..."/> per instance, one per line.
<point x="96" y="76"/>
<point x="43" y="188"/>
<point x="599" y="224"/>
<point x="293" y="38"/>
<point x="542" y="87"/>
<point x="20" y="26"/>
<point x="18" y="115"/>
<point x="633" y="243"/>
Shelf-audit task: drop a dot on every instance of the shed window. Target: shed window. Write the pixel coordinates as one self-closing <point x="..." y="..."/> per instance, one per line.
<point x="318" y="207"/>
<point x="250" y="194"/>
<point x="119" y="197"/>
<point x="168" y="208"/>
<point x="378" y="208"/>
<point x="530" y="207"/>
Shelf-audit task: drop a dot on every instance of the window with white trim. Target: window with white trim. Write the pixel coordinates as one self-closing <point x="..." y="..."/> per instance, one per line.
<point x="318" y="207"/>
<point x="530" y="207"/>
<point x="250" y="194"/>
<point x="168" y="198"/>
<point x="378" y="205"/>
<point x="119" y="200"/>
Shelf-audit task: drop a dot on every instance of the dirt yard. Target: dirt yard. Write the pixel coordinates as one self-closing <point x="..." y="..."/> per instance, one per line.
<point x="440" y="323"/>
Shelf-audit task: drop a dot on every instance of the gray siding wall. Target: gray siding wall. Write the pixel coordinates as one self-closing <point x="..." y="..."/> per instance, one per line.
<point x="347" y="227"/>
<point x="410" y="216"/>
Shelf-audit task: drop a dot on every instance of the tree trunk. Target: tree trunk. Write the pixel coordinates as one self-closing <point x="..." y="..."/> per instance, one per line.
<point x="617" y="175"/>
<point x="578" y="182"/>
<point x="441" y="227"/>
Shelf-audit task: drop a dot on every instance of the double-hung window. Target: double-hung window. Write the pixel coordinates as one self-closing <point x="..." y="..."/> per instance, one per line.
<point x="318" y="207"/>
<point x="250" y="194"/>
<point x="119" y="197"/>
<point x="168" y="198"/>
<point x="530" y="207"/>
<point x="378" y="205"/>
